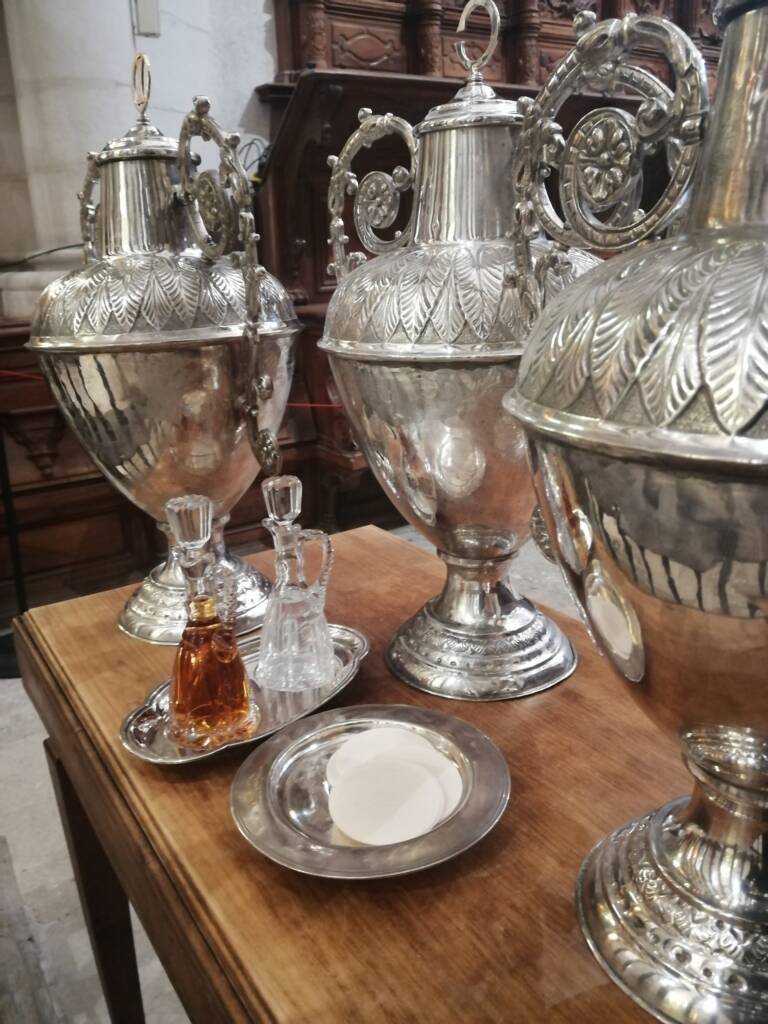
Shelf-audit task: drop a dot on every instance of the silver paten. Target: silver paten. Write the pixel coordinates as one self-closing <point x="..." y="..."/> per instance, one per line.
<point x="279" y="796"/>
<point x="424" y="340"/>
<point x="170" y="352"/>
<point x="644" y="395"/>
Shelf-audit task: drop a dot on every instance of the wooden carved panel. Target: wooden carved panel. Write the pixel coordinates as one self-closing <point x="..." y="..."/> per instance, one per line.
<point x="367" y="47"/>
<point x="565" y="9"/>
<point x="453" y="68"/>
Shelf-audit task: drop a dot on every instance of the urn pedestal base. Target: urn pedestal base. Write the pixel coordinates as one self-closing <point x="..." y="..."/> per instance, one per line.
<point x="674" y="905"/>
<point x="479" y="640"/>
<point x="157" y="611"/>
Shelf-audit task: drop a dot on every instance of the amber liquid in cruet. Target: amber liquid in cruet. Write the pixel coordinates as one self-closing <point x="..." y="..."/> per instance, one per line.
<point x="210" y="693"/>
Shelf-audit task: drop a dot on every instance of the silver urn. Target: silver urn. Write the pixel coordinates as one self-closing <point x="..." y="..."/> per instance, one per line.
<point x="170" y="353"/>
<point x="644" y="396"/>
<point x="424" y="341"/>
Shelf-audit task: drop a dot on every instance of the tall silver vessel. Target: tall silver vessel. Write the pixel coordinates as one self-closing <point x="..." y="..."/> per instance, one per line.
<point x="424" y="340"/>
<point x="644" y="395"/>
<point x="170" y="352"/>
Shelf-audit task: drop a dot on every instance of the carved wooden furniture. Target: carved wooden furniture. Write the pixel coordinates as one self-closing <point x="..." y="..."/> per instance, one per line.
<point x="243" y="939"/>
<point x="418" y="36"/>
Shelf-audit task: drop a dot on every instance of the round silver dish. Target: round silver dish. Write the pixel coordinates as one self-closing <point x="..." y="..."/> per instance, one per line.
<point x="280" y="794"/>
<point x="145" y="732"/>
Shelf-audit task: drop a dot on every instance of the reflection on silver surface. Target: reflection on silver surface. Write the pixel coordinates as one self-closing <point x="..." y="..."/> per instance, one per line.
<point x="144" y="733"/>
<point x="280" y="794"/>
<point x="644" y="394"/>
<point x="423" y="342"/>
<point x="171" y="361"/>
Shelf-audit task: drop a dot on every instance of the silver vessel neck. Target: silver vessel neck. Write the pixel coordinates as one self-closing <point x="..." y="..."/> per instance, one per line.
<point x="731" y="185"/>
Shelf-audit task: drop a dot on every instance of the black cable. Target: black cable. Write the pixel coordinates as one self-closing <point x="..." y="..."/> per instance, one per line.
<point x="37" y="255"/>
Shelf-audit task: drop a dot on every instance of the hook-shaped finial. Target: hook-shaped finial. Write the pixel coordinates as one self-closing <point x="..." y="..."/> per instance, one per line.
<point x="474" y="67"/>
<point x="142" y="84"/>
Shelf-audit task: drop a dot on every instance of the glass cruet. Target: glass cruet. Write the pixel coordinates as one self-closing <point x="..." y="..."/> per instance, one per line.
<point x="210" y="696"/>
<point x="296" y="645"/>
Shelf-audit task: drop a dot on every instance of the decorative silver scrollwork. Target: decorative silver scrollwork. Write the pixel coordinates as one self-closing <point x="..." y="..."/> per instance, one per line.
<point x="600" y="164"/>
<point x="88" y="209"/>
<point x="212" y="200"/>
<point x="377" y="197"/>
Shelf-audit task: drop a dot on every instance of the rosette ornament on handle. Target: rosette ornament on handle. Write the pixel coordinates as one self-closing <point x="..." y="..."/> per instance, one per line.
<point x="377" y="197"/>
<point x="221" y="216"/>
<point x="600" y="164"/>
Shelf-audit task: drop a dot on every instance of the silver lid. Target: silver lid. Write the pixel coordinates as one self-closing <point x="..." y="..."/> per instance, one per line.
<point x="475" y="103"/>
<point x="145" y="284"/>
<point x="143" y="140"/>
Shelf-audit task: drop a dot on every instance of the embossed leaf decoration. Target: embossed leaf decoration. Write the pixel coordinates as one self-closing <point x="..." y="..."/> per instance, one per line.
<point x="447" y="316"/>
<point x="418" y="288"/>
<point x="232" y="287"/>
<point x="100" y="307"/>
<point x="126" y="292"/>
<point x="672" y="375"/>
<point x="213" y="304"/>
<point x="622" y="341"/>
<point x="169" y="279"/>
<point x="189" y="284"/>
<point x="572" y="366"/>
<point x="156" y="306"/>
<point x="734" y="346"/>
<point x="77" y="301"/>
<point x="479" y="290"/>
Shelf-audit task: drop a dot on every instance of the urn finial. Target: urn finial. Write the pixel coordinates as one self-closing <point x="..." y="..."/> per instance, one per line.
<point x="475" y="65"/>
<point x="142" y="85"/>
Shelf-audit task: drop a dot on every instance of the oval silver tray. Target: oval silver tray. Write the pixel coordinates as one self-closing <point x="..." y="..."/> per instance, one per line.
<point x="279" y="795"/>
<point x="145" y="734"/>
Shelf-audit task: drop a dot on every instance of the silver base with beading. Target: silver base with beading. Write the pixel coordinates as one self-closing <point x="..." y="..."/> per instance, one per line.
<point x="479" y="640"/>
<point x="157" y="612"/>
<point x="674" y="905"/>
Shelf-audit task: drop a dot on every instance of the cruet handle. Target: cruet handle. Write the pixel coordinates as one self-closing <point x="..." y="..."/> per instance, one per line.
<point x="326" y="547"/>
<point x="220" y="216"/>
<point x="377" y="197"/>
<point x="589" y="185"/>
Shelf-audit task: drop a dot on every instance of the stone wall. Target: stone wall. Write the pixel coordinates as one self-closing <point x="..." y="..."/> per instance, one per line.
<point x="66" y="90"/>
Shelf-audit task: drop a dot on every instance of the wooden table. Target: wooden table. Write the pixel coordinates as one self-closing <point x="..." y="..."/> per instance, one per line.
<point x="490" y="936"/>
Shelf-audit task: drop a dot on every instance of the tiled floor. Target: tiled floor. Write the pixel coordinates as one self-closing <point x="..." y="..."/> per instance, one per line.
<point x="43" y="935"/>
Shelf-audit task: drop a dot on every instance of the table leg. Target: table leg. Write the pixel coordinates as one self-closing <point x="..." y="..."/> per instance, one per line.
<point x="103" y="900"/>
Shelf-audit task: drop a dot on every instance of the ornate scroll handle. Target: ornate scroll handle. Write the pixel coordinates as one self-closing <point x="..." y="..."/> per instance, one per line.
<point x="220" y="215"/>
<point x="475" y="67"/>
<point x="600" y="163"/>
<point x="377" y="197"/>
<point x="88" y="208"/>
